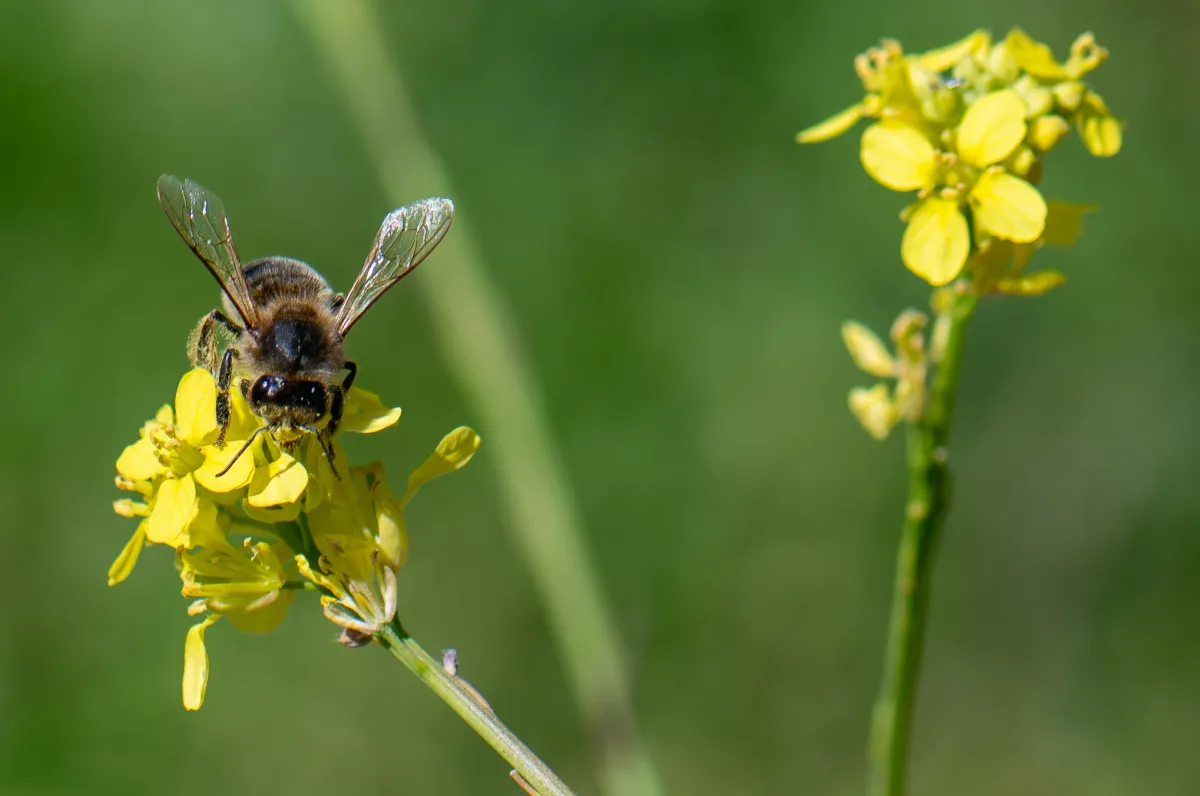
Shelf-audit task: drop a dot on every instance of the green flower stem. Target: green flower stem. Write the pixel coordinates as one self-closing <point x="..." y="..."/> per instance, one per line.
<point x="471" y="709"/>
<point x="928" y="500"/>
<point x="477" y="334"/>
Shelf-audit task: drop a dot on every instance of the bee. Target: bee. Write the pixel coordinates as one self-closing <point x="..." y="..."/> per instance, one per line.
<point x="288" y="325"/>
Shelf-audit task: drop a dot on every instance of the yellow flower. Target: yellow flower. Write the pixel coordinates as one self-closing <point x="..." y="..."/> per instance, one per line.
<point x="362" y="538"/>
<point x="937" y="241"/>
<point x="244" y="583"/>
<point x="236" y="518"/>
<point x="966" y="126"/>
<point x="184" y="476"/>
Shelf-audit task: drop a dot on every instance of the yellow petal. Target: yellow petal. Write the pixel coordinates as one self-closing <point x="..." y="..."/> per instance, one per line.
<point x="321" y="480"/>
<point x="874" y="409"/>
<point x="138" y="461"/>
<point x="366" y="414"/>
<point x="242" y="422"/>
<point x="898" y="157"/>
<point x="175" y="506"/>
<point x="390" y="535"/>
<point x="196" y="408"/>
<point x="1034" y="57"/>
<point x="273" y="514"/>
<point x="280" y="482"/>
<point x="832" y="127"/>
<point x="936" y="242"/>
<point x="1064" y="222"/>
<point x="991" y="128"/>
<point x="195" y="665"/>
<point x="266" y="617"/>
<point x="454" y="451"/>
<point x="1031" y="285"/>
<point x="1008" y="207"/>
<point x="128" y="557"/>
<point x="217" y="459"/>
<point x="206" y="526"/>
<point x="944" y="58"/>
<point x="867" y="350"/>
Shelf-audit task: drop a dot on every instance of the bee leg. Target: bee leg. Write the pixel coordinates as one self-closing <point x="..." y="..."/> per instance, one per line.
<point x="203" y="342"/>
<point x="337" y="403"/>
<point x="326" y="447"/>
<point x="337" y="399"/>
<point x="223" y="378"/>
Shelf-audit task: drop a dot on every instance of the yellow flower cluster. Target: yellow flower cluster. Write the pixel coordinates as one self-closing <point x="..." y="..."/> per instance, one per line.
<point x="247" y="535"/>
<point x="967" y="126"/>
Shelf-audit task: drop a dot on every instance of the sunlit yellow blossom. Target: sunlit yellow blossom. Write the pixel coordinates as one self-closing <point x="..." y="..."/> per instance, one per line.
<point x="966" y="126"/>
<point x="248" y="521"/>
<point x="363" y="540"/>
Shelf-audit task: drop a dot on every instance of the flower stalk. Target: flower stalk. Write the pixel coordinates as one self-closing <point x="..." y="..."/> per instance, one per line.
<point x="476" y="713"/>
<point x="928" y="500"/>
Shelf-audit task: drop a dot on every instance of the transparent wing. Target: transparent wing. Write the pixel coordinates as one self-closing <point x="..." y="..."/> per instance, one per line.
<point x="199" y="217"/>
<point x="406" y="238"/>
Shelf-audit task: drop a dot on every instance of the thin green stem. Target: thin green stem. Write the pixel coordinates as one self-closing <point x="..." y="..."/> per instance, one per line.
<point x="474" y="327"/>
<point x="928" y="500"/>
<point x="472" y="710"/>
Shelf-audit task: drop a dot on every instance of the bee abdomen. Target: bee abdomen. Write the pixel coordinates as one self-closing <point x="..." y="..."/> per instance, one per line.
<point x="273" y="279"/>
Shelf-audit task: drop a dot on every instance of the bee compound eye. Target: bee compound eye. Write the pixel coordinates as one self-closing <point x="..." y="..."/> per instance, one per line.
<point x="265" y="388"/>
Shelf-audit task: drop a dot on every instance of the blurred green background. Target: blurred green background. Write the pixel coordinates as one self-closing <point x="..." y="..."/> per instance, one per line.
<point x="678" y="270"/>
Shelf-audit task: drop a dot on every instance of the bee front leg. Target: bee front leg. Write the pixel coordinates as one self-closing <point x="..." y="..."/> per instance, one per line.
<point x="224" y="377"/>
<point x="337" y="399"/>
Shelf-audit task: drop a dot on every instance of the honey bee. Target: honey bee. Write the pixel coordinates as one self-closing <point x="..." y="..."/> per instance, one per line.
<point x="288" y="325"/>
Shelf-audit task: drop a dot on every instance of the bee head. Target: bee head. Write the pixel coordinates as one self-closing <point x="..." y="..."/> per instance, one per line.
<point x="276" y="391"/>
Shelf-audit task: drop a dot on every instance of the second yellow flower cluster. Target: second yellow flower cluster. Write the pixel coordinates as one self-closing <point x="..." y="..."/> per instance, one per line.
<point x="966" y="126"/>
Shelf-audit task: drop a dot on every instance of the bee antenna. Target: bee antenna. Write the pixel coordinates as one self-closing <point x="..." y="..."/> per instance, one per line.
<point x="242" y="450"/>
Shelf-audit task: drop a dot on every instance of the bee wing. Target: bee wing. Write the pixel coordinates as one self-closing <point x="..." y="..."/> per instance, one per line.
<point x="198" y="215"/>
<point x="407" y="236"/>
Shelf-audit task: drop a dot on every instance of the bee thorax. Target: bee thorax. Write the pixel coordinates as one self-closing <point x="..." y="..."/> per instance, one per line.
<point x="294" y="346"/>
